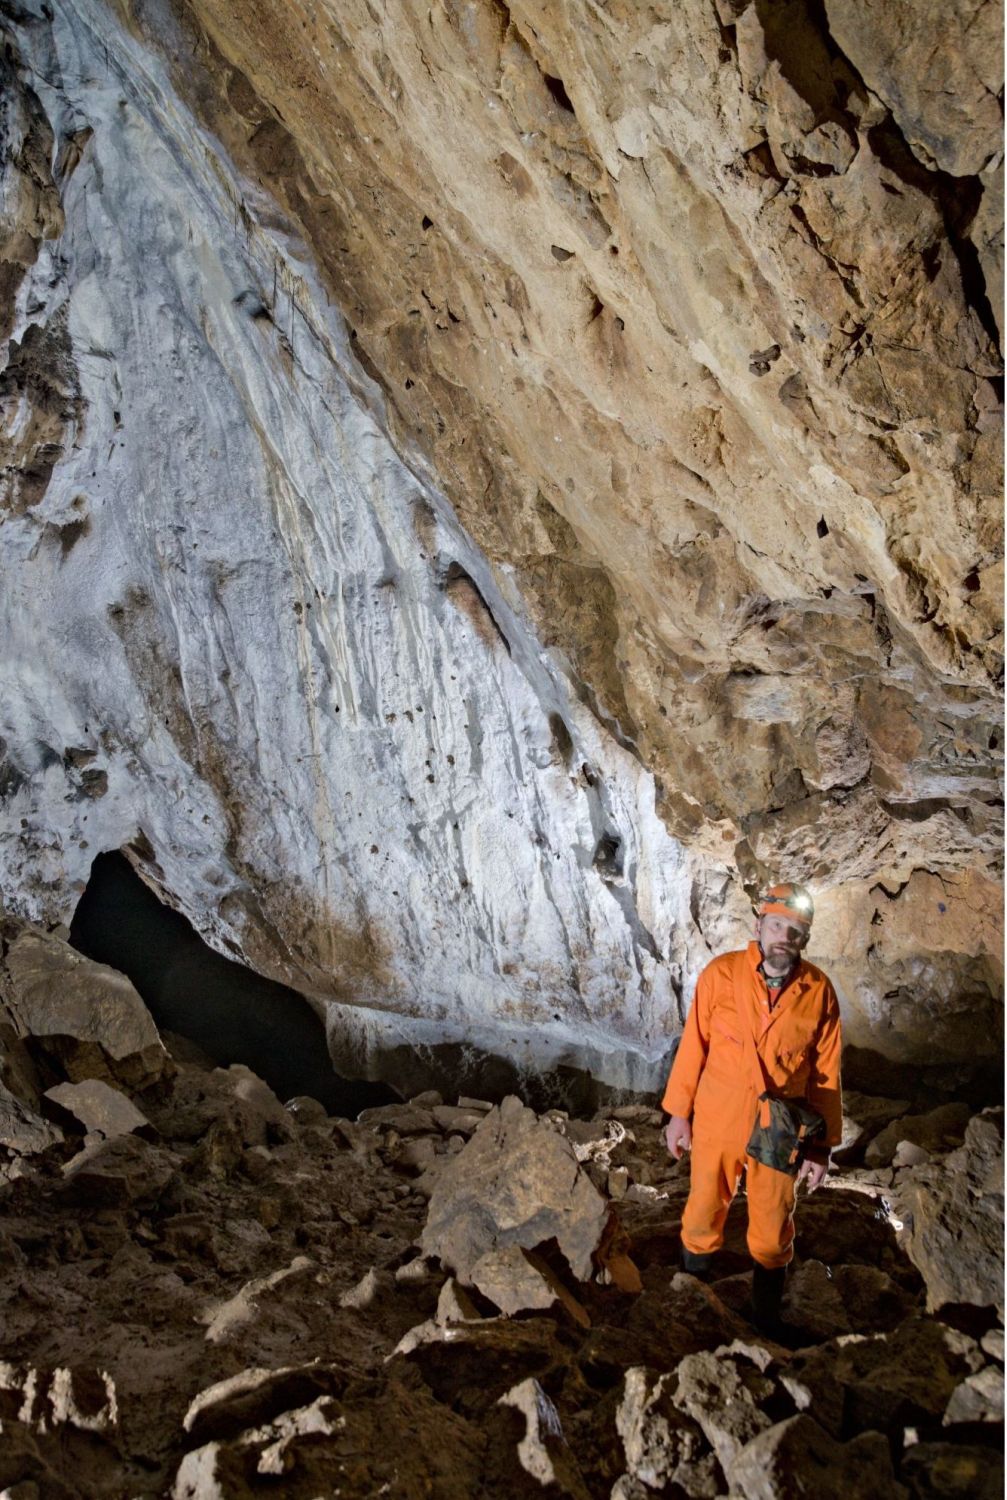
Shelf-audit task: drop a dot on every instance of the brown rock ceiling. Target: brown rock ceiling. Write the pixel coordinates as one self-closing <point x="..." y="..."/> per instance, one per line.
<point x="661" y="294"/>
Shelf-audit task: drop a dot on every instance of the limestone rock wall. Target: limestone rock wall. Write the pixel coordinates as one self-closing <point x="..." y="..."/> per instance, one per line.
<point x="486" y="485"/>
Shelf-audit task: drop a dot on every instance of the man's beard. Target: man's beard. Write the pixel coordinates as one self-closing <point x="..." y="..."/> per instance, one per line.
<point x="780" y="955"/>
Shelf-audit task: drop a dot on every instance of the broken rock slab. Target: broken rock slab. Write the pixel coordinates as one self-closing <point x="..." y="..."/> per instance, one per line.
<point x="257" y="1395"/>
<point x="517" y="1182"/>
<point x="22" y="1130"/>
<point x="795" y="1458"/>
<point x="979" y="1398"/>
<point x="88" y="1016"/>
<point x="118" y="1173"/>
<point x="679" y="1317"/>
<point x="517" y="1280"/>
<point x="543" y="1452"/>
<point x="262" y="1118"/>
<point x="101" y="1109"/>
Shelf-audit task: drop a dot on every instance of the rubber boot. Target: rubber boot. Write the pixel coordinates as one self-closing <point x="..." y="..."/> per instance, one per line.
<point x="696" y="1265"/>
<point x="767" y="1295"/>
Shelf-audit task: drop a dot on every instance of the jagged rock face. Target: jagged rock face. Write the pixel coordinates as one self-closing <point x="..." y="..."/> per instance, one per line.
<point x="640" y="539"/>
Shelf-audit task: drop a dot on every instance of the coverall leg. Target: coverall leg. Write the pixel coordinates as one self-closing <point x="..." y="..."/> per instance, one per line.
<point x="714" y="1177"/>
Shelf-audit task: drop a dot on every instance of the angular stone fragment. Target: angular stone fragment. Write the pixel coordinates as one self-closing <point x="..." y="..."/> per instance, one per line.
<point x="517" y="1182"/>
<point x="663" y="1447"/>
<point x="507" y="1277"/>
<point x="935" y="63"/>
<point x="101" y="1110"/>
<point x="872" y="1301"/>
<point x="363" y="1294"/>
<point x="88" y="1015"/>
<point x="22" y="1130"/>
<point x="992" y="1343"/>
<point x="80" y="1397"/>
<point x="681" y="1317"/>
<point x="225" y="1318"/>
<point x="452" y="1119"/>
<point x="979" y="1398"/>
<point x="307" y="1110"/>
<point x="722" y="1393"/>
<point x="414" y="1272"/>
<point x="119" y="1172"/>
<point x="454" y="1306"/>
<point x="416" y="1154"/>
<point x="262" y="1118"/>
<point x="908" y="1154"/>
<point x="618" y="1182"/>
<point x="406" y="1119"/>
<point x="543" y="1451"/>
<point x="796" y="1458"/>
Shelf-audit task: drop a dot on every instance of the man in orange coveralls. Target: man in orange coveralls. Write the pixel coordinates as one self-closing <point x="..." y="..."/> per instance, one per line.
<point x="793" y="1014"/>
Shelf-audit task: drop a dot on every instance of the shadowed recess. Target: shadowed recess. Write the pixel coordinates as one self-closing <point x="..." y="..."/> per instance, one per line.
<point x="233" y="1014"/>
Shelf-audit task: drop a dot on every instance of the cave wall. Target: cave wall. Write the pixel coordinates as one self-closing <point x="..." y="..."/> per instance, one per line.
<point x="487" y="486"/>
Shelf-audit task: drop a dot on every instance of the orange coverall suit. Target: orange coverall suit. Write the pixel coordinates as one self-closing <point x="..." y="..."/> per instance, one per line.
<point x="713" y="1081"/>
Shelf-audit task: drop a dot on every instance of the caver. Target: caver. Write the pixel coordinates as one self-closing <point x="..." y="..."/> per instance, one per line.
<point x="755" y="1086"/>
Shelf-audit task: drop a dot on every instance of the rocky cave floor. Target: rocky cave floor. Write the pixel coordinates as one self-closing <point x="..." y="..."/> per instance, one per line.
<point x="223" y="1296"/>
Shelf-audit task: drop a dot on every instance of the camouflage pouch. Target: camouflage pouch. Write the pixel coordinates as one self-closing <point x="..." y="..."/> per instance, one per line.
<point x="783" y="1128"/>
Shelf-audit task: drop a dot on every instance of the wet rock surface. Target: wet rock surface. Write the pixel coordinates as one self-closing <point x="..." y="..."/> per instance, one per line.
<point x="244" y="1296"/>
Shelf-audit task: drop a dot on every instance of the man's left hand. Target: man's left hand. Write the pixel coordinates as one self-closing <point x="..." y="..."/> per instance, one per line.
<point x="813" y="1173"/>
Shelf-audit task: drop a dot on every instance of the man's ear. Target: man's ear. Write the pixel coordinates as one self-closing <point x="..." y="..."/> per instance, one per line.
<point x="804" y="940"/>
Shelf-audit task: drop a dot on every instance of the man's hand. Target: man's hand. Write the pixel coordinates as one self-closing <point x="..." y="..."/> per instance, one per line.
<point x="678" y="1136"/>
<point x="813" y="1173"/>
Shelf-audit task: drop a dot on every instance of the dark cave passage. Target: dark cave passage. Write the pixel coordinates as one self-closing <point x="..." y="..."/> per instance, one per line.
<point x="232" y="1013"/>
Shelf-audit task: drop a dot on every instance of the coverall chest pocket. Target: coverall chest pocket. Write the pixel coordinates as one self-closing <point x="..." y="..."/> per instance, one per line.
<point x="792" y="1050"/>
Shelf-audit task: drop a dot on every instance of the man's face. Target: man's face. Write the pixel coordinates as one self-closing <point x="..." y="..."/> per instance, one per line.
<point x="781" y="939"/>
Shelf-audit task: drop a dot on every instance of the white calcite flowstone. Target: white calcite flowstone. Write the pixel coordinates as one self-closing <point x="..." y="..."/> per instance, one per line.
<point x="248" y="642"/>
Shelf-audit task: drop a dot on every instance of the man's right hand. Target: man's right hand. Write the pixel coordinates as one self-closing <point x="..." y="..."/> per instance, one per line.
<point x="678" y="1136"/>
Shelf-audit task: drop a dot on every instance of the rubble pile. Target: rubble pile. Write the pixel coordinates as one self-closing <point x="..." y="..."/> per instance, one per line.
<point x="208" y="1292"/>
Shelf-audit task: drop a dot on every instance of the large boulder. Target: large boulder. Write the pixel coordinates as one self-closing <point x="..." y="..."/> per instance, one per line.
<point x="888" y="1382"/>
<point x="87" y="1017"/>
<point x="953" y="1213"/>
<point x="796" y="1458"/>
<point x="517" y="1182"/>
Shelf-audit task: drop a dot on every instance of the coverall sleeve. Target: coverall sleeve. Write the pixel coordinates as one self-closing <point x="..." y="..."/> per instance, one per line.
<point x="824" y="1085"/>
<point x="690" y="1060"/>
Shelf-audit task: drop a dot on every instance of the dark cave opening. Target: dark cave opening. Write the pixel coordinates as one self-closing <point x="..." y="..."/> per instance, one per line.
<point x="233" y="1014"/>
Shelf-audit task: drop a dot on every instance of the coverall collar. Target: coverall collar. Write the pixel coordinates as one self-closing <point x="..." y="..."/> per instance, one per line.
<point x="797" y="982"/>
